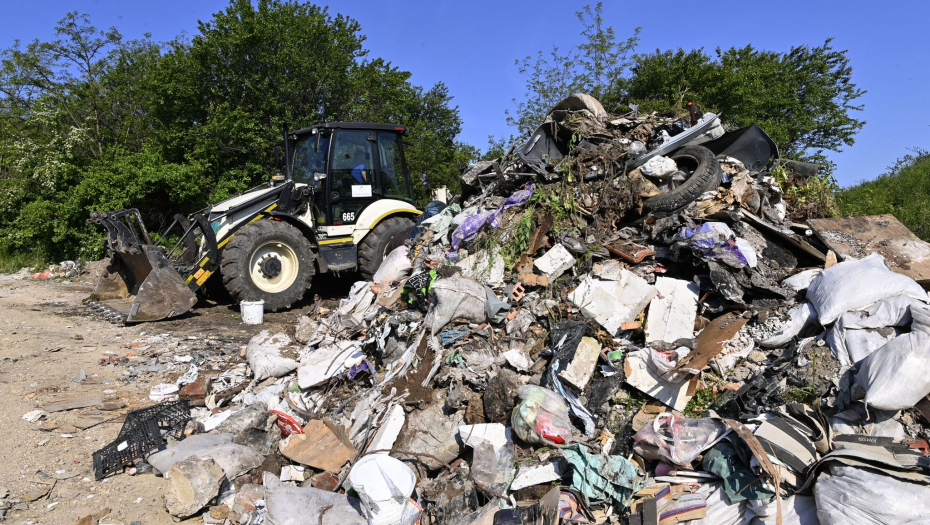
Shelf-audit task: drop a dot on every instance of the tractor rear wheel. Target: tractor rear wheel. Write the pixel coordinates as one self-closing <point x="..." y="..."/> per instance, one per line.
<point x="373" y="248"/>
<point x="270" y="261"/>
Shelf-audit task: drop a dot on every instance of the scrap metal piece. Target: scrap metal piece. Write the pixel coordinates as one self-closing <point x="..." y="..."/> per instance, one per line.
<point x="678" y="141"/>
<point x="750" y="145"/>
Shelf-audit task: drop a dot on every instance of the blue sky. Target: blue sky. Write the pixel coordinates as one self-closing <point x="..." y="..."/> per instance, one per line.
<point x="471" y="46"/>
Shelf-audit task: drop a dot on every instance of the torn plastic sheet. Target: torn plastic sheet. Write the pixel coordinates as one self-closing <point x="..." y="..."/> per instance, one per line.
<point x="576" y="407"/>
<point x="852" y="338"/>
<point x="716" y="241"/>
<point x="602" y="478"/>
<point x="450" y="336"/>
<point x="472" y="225"/>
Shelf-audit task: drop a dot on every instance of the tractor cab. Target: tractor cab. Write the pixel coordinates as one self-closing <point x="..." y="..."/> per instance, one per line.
<point x="350" y="166"/>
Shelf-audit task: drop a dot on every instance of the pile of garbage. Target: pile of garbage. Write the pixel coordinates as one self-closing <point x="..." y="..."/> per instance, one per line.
<point x="619" y="321"/>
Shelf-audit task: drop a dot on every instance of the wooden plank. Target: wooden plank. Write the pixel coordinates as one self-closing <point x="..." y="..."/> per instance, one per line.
<point x="857" y="237"/>
<point x="71" y="403"/>
<point x="710" y="341"/>
<point x="90" y="421"/>
<point x="323" y="445"/>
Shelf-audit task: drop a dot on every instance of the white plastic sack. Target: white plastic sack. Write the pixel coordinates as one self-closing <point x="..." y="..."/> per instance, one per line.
<point x="800" y="318"/>
<point x="853" y="338"/>
<point x="719" y="509"/>
<point x="795" y="510"/>
<point x="394" y="267"/>
<point x="897" y="375"/>
<point x="856" y="496"/>
<point x="234" y="459"/>
<point x="880" y="424"/>
<point x="801" y="280"/>
<point x="264" y="355"/>
<point x="854" y="285"/>
<point x="458" y="297"/>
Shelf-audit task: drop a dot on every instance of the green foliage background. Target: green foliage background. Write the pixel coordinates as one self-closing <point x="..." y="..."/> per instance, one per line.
<point x="92" y="121"/>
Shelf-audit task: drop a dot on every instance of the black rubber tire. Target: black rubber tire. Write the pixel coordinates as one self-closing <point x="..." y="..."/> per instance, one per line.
<point x="238" y="253"/>
<point x="373" y="248"/>
<point x="705" y="176"/>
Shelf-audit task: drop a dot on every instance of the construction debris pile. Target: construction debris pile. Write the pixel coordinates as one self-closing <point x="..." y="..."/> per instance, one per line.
<point x="620" y="321"/>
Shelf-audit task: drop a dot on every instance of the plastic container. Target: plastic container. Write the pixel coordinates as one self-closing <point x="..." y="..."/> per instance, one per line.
<point x="384" y="484"/>
<point x="252" y="311"/>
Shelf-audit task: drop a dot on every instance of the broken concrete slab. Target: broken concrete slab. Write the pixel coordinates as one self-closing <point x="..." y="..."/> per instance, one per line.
<point x="196" y="482"/>
<point x="71" y="403"/>
<point x="390" y="428"/>
<point x="642" y="377"/>
<point x="323" y="445"/>
<point x="609" y="270"/>
<point x="234" y="459"/>
<point x="484" y="267"/>
<point x="494" y="433"/>
<point x="327" y="362"/>
<point x="579" y="370"/>
<point x="530" y="475"/>
<point x="612" y="303"/>
<point x="555" y="262"/>
<point x="672" y="311"/>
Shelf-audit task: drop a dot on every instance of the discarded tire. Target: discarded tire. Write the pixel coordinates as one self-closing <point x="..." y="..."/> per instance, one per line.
<point x="269" y="261"/>
<point x="705" y="176"/>
<point x="373" y="248"/>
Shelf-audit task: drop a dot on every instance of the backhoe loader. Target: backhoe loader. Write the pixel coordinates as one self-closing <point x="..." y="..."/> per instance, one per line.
<point x="345" y="194"/>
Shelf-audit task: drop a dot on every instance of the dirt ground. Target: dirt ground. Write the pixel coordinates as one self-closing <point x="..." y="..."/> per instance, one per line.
<point x="46" y="337"/>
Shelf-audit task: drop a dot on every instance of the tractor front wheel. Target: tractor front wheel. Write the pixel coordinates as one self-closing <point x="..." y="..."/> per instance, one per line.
<point x="268" y="260"/>
<point x="373" y="248"/>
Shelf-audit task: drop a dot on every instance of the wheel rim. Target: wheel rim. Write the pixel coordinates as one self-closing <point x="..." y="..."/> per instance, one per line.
<point x="273" y="267"/>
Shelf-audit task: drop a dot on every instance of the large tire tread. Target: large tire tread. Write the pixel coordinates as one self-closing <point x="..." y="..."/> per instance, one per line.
<point x="238" y="252"/>
<point x="706" y="177"/>
<point x="371" y="249"/>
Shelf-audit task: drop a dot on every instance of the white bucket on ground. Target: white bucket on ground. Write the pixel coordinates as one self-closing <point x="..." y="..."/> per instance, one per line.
<point x="384" y="484"/>
<point x="252" y="311"/>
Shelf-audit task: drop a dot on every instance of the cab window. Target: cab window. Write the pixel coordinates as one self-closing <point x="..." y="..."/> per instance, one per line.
<point x="309" y="158"/>
<point x="353" y="162"/>
<point x="393" y="175"/>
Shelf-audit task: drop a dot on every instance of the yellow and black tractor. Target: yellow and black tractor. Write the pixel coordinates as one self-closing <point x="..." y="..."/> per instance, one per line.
<point x="345" y="194"/>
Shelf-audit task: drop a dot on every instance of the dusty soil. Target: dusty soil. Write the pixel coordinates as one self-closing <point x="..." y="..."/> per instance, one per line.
<point x="46" y="337"/>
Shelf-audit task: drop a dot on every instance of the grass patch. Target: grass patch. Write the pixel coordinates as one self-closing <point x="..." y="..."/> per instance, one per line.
<point x="903" y="191"/>
<point x="14" y="262"/>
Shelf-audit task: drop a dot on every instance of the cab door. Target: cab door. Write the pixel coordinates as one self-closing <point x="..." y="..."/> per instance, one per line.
<point x="353" y="183"/>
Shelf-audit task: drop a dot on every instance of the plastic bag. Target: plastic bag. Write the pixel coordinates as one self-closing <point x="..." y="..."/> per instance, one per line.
<point x="493" y="468"/>
<point x="854" y="285"/>
<point x="394" y="267"/>
<point x="715" y="241"/>
<point x="680" y="440"/>
<point x="663" y="361"/>
<point x="541" y="417"/>
<point x="897" y="375"/>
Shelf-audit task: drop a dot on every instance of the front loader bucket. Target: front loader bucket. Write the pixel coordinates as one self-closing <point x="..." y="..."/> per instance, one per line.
<point x="141" y="287"/>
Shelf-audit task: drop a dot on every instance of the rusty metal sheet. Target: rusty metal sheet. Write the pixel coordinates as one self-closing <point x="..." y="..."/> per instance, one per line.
<point x="858" y="237"/>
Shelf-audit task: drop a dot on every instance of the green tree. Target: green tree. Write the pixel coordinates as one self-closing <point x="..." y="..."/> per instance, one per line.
<point x="804" y="99"/>
<point x="91" y="121"/>
<point x="597" y="67"/>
